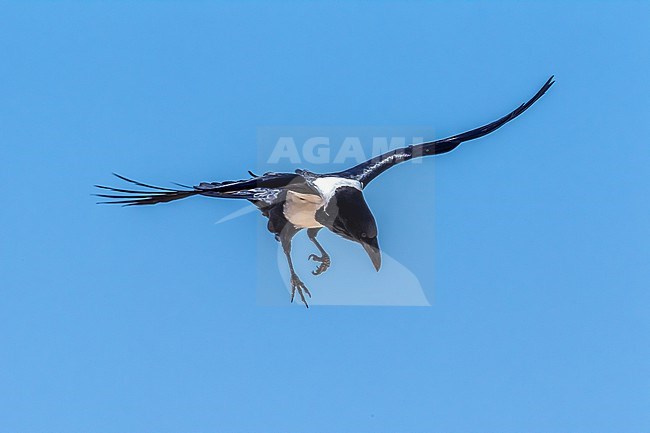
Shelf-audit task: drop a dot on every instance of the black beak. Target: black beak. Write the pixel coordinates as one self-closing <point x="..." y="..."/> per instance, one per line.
<point x="372" y="248"/>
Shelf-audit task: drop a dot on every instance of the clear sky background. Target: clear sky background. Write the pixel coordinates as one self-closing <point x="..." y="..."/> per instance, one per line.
<point x="146" y="320"/>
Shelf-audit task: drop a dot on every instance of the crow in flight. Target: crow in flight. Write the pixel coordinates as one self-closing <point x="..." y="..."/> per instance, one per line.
<point x="306" y="200"/>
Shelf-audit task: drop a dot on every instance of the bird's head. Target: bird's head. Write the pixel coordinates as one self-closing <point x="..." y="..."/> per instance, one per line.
<point x="347" y="214"/>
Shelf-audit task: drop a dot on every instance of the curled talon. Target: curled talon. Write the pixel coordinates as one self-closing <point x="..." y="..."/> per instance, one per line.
<point x="324" y="263"/>
<point x="320" y="269"/>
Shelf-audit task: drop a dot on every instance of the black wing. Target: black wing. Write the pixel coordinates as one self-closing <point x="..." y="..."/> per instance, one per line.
<point x="251" y="189"/>
<point x="367" y="171"/>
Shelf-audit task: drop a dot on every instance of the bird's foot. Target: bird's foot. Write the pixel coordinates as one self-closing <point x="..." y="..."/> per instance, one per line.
<point x="299" y="286"/>
<point x="324" y="260"/>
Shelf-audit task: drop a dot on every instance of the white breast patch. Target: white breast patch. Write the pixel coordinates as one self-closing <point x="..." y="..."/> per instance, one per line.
<point x="300" y="209"/>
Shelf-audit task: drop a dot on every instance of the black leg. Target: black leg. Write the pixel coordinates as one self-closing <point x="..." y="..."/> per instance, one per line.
<point x="324" y="258"/>
<point x="286" y="235"/>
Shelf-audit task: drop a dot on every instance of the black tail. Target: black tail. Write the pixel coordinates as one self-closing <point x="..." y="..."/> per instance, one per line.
<point x="154" y="195"/>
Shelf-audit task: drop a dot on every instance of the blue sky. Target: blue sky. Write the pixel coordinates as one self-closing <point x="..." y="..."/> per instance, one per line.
<point x="531" y="244"/>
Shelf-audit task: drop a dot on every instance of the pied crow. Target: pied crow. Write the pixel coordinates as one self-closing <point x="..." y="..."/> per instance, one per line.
<point x="311" y="201"/>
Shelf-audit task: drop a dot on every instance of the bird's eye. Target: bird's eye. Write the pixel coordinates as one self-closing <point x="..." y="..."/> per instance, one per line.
<point x="363" y="235"/>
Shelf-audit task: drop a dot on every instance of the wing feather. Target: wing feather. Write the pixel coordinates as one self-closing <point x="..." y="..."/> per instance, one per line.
<point x="367" y="171"/>
<point x="258" y="188"/>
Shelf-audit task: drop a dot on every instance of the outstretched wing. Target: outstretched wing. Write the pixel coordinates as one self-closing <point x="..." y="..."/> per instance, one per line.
<point x="367" y="171"/>
<point x="257" y="188"/>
